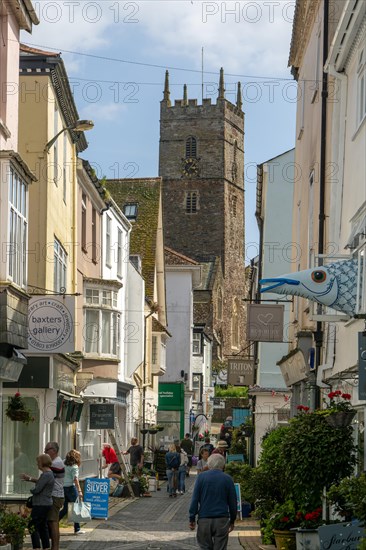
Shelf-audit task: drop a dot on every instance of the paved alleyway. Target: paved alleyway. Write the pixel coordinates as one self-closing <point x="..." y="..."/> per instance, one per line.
<point x="152" y="523"/>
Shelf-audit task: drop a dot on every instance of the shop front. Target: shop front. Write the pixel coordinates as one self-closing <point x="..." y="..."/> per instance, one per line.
<point x="171" y="411"/>
<point x="46" y="386"/>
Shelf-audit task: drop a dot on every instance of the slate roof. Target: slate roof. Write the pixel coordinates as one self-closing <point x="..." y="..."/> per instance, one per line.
<point x="145" y="192"/>
<point x="172" y="257"/>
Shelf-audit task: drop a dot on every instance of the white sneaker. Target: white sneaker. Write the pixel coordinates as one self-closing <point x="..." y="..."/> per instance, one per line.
<point x="80" y="532"/>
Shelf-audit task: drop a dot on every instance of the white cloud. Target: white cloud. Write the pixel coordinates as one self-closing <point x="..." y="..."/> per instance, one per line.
<point x="247" y="37"/>
<point x="102" y="112"/>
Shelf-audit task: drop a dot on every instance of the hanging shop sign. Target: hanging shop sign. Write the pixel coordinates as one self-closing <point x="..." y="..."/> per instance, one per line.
<point x="51" y="324"/>
<point x="240" y="372"/>
<point x="265" y="323"/>
<point x="362" y="365"/>
<point x="101" y="416"/>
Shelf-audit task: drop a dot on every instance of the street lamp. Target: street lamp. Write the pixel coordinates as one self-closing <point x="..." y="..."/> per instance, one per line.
<point x="78" y="126"/>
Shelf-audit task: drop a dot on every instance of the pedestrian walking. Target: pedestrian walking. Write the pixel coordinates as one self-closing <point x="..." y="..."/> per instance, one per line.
<point x="172" y="461"/>
<point x="214" y="501"/>
<point x="221" y="448"/>
<point x="182" y="470"/>
<point x="187" y="446"/>
<point x="72" y="489"/>
<point x="41" y="503"/>
<point x="208" y="445"/>
<point x="202" y="463"/>
<point x="58" y="468"/>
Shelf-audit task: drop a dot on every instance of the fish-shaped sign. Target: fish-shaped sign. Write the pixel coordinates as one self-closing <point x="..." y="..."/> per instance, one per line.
<point x="334" y="285"/>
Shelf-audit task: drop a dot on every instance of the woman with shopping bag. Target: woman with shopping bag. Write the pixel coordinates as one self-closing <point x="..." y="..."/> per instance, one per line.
<point x="72" y="489"/>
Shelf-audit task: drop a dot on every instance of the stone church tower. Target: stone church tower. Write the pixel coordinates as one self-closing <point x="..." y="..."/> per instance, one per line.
<point x="201" y="163"/>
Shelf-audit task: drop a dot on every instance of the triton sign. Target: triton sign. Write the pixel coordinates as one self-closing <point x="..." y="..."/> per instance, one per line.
<point x="240" y="372"/>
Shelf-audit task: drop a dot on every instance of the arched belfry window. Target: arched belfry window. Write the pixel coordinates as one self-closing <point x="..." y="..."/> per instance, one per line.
<point x="191" y="147"/>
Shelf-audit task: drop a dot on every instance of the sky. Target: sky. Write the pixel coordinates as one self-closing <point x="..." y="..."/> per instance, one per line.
<point x="116" y="54"/>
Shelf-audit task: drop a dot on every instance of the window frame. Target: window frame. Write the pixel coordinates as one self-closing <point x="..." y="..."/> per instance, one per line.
<point x="108" y="241"/>
<point x="197" y="338"/>
<point x="191" y="202"/>
<point x="131" y="216"/>
<point x="18" y="228"/>
<point x="98" y="304"/>
<point x="361" y="87"/>
<point x="60" y="266"/>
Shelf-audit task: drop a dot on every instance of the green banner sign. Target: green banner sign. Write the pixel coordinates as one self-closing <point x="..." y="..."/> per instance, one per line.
<point x="171" y="396"/>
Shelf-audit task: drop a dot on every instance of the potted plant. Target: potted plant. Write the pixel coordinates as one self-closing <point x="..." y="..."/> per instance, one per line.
<point x="143" y="431"/>
<point x="307" y="536"/>
<point x="283" y="518"/>
<point x="17" y="410"/>
<point x="14" y="526"/>
<point x="339" y="412"/>
<point x="159" y="428"/>
<point x="153" y="430"/>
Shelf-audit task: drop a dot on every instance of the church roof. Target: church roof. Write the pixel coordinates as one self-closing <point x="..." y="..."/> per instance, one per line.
<point x="145" y="192"/>
<point x="209" y="269"/>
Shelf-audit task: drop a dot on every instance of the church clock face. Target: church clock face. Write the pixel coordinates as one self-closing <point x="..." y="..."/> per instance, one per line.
<point x="190" y="167"/>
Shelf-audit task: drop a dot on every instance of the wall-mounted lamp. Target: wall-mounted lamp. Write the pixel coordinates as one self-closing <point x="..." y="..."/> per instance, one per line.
<point x="79" y="126"/>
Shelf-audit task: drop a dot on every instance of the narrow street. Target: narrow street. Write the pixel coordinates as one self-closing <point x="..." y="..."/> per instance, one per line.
<point x="152" y="523"/>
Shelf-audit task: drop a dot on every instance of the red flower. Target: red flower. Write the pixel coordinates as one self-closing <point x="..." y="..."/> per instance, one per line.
<point x="338" y="392"/>
<point x="17" y="394"/>
<point x="306" y="409"/>
<point x="285" y="519"/>
<point x="346" y="395"/>
<point x="332" y="394"/>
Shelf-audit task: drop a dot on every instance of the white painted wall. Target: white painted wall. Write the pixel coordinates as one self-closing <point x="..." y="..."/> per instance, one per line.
<point x="278" y="254"/>
<point x="179" y="299"/>
<point x="134" y="328"/>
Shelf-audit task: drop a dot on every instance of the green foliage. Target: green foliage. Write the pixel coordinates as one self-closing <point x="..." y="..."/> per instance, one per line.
<point x="349" y="497"/>
<point x="14" y="525"/>
<point x="238" y="443"/>
<point x="315" y="455"/>
<point x="231" y="391"/>
<point x="244" y="475"/>
<point x="283" y="518"/>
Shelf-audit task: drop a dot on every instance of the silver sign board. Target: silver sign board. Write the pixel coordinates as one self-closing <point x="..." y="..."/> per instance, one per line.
<point x="265" y="323"/>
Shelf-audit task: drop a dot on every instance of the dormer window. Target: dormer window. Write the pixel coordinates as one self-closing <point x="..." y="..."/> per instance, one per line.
<point x="191" y="147"/>
<point x="130" y="211"/>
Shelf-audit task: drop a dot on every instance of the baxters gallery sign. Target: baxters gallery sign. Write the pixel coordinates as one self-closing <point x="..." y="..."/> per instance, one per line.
<point x="51" y="324"/>
<point x="265" y="323"/>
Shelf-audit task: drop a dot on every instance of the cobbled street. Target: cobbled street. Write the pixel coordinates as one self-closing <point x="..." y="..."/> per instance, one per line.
<point x="152" y="523"/>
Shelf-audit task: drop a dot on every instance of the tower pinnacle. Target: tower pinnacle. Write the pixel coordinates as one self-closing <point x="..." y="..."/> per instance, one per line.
<point x="185" y="95"/>
<point x="221" y="85"/>
<point x="166" y="88"/>
<point x="239" y="101"/>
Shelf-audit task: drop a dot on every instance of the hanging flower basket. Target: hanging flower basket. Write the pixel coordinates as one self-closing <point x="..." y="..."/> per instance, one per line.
<point x="152" y="432"/>
<point x="340" y="419"/>
<point x="143" y="431"/>
<point x="17" y="411"/>
<point x="160" y="428"/>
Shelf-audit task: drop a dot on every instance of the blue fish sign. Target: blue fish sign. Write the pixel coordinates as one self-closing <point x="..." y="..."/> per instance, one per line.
<point x="334" y="285"/>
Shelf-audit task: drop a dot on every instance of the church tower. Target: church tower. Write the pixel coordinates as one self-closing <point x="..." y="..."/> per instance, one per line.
<point x="201" y="162"/>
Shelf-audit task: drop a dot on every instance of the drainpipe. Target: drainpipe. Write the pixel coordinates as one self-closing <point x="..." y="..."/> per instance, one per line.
<point x="318" y="335"/>
<point x="144" y="382"/>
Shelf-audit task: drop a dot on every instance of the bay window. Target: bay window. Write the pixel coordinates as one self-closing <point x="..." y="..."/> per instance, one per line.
<point x="102" y="322"/>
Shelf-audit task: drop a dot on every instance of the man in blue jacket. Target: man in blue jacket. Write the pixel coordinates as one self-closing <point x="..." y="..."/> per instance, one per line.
<point x="214" y="500"/>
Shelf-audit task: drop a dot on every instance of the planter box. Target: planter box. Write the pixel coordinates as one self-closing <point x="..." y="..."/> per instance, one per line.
<point x="307" y="539"/>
